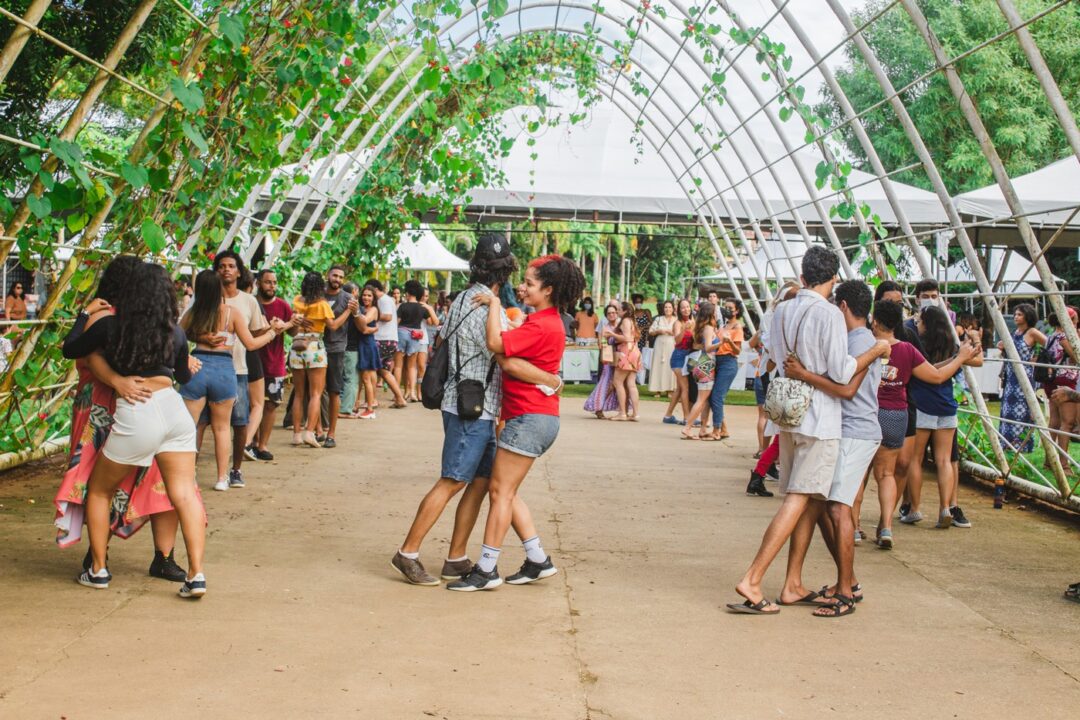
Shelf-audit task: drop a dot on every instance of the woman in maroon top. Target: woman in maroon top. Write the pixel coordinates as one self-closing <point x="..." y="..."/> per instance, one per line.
<point x="530" y="413"/>
<point x="904" y="362"/>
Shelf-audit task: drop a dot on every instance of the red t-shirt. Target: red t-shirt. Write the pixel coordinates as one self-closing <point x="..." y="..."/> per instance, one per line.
<point x="892" y="392"/>
<point x="541" y="340"/>
<point x="273" y="353"/>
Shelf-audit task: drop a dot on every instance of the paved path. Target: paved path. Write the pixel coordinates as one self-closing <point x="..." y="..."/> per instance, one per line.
<point x="305" y="618"/>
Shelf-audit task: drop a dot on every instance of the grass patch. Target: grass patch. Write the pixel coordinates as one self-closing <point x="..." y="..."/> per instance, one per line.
<point x="735" y="397"/>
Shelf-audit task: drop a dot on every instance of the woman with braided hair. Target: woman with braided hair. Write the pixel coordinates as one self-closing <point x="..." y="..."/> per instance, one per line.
<point x="531" y="414"/>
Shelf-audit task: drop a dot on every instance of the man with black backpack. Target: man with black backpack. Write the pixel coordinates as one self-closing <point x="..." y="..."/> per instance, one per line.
<point x="471" y="398"/>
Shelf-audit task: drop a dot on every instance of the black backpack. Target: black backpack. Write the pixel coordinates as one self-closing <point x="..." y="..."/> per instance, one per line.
<point x="1040" y="373"/>
<point x="433" y="386"/>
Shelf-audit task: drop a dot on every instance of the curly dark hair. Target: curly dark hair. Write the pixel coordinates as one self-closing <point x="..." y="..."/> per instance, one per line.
<point x="116" y="276"/>
<point x="142" y="336"/>
<point x="564" y="278"/>
<point x="889" y="315"/>
<point x="738" y="306"/>
<point x="414" y="288"/>
<point x="937" y="334"/>
<point x="313" y="287"/>
<point x="202" y="318"/>
<point x="240" y="267"/>
<point x="1028" y="310"/>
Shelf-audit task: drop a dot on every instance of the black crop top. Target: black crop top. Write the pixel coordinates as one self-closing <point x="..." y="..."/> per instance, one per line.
<point x="81" y="342"/>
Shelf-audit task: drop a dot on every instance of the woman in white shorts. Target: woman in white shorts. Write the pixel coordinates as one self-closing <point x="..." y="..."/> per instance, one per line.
<point x="143" y="340"/>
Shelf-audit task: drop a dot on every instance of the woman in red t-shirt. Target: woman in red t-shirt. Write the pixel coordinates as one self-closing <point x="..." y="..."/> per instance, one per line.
<point x="904" y="362"/>
<point x="530" y="413"/>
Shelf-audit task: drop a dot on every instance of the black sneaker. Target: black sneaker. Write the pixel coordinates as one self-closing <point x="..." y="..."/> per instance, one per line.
<point x="905" y="508"/>
<point x="165" y="567"/>
<point x="264" y="455"/>
<point x="756" y="486"/>
<point x="320" y="439"/>
<point x="329" y="443"/>
<point x="88" y="559"/>
<point x="958" y="518"/>
<point x="236" y="479"/>
<point x="193" y="588"/>
<point x="773" y="473"/>
<point x="98" y="582"/>
<point x="477" y="579"/>
<point x="532" y="571"/>
<point x="249" y="452"/>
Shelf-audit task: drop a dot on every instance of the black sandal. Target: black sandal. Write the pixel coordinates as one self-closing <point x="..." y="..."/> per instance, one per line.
<point x="750" y="608"/>
<point x="1073" y="592"/>
<point x="842" y="607"/>
<point x="810" y="598"/>
<point x="856" y="592"/>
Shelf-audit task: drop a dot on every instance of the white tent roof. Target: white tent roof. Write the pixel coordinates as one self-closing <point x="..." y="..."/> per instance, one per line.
<point x="420" y="249"/>
<point x="1052" y="193"/>
<point x="1017" y="269"/>
<point x="592" y="167"/>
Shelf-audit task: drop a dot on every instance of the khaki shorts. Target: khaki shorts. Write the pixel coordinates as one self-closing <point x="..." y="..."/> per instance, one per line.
<point x="807" y="464"/>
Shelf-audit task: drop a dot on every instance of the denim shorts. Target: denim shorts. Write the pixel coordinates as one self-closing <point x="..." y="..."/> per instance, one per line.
<point x="529" y="435"/>
<point x="406" y="344"/>
<point x="925" y="421"/>
<point x="215" y="381"/>
<point x="240" y="409"/>
<point x="759" y="391"/>
<point x="678" y="361"/>
<point x="468" y="449"/>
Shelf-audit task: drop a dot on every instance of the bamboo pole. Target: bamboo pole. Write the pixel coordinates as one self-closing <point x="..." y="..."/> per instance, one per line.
<point x="20" y="35"/>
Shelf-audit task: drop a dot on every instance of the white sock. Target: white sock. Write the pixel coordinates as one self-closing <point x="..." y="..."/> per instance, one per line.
<point x="411" y="556"/>
<point x="534" y="550"/>
<point x="463" y="557"/>
<point x="489" y="558"/>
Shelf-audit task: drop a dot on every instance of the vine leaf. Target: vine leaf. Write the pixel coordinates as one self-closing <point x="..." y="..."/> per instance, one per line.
<point x="232" y="28"/>
<point x="40" y="206"/>
<point x="153" y="235"/>
<point x="192" y="133"/>
<point x="135" y="176"/>
<point x="189" y="95"/>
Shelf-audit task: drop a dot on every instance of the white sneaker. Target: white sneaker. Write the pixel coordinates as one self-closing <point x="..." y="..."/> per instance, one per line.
<point x="222" y="484"/>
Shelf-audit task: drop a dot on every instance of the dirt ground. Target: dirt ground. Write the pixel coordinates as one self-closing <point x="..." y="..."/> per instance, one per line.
<point x="305" y="618"/>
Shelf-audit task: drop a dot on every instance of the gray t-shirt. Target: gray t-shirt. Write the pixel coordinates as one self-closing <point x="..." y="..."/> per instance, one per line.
<point x="336" y="340"/>
<point x="860" y="413"/>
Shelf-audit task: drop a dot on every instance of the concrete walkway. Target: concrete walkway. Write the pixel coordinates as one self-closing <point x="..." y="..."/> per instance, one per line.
<point x="305" y="617"/>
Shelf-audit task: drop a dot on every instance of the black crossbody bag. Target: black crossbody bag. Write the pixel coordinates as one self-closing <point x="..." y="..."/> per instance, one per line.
<point x="433" y="386"/>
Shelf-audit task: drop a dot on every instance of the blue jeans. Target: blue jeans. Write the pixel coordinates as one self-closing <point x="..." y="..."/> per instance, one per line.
<point x="727" y="367"/>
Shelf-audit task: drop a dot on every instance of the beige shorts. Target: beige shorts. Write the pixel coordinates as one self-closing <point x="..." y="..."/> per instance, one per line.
<point x="807" y="464"/>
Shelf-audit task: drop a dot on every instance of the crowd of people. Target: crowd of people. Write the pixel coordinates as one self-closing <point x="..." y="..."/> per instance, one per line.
<point x="878" y="388"/>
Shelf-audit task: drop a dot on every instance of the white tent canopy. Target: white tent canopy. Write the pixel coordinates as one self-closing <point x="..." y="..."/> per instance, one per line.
<point x="591" y="167"/>
<point x="420" y="249"/>
<point x="1017" y="270"/>
<point x="1052" y="193"/>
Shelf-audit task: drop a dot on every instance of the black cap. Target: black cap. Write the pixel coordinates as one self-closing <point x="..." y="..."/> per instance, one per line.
<point x="492" y="245"/>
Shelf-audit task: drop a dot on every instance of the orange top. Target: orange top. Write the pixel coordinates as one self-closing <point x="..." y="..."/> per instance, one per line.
<point x="317" y="313"/>
<point x="736" y="336"/>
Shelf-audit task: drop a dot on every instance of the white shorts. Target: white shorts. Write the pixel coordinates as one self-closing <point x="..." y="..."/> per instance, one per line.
<point x="141" y="431"/>
<point x="851" y="464"/>
<point x="807" y="464"/>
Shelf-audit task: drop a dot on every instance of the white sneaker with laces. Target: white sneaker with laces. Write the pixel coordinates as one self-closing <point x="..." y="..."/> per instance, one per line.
<point x="222" y="484"/>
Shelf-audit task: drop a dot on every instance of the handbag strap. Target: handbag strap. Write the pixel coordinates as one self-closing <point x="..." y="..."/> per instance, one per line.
<point x="794" y="349"/>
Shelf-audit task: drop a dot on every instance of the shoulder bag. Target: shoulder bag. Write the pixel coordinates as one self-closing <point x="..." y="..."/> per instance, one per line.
<point x="787" y="399"/>
<point x="1041" y="373"/>
<point x="433" y="386"/>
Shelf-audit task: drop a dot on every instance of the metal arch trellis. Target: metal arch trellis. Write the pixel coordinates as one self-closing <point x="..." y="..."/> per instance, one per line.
<point x="686" y="60"/>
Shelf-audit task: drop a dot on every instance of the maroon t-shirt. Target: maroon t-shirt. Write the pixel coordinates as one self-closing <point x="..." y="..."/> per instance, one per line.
<point x="892" y="392"/>
<point x="273" y="353"/>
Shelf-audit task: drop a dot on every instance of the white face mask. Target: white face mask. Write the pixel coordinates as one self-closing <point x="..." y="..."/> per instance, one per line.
<point x="927" y="302"/>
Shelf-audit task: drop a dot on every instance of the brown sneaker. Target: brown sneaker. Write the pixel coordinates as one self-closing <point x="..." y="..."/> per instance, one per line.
<point x="413" y="570"/>
<point x="456" y="569"/>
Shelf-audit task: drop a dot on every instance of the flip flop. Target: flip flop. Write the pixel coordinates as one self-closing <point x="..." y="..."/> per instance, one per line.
<point x="749" y="608"/>
<point x="707" y="438"/>
<point x="843" y="607"/>
<point x="689" y="437"/>
<point x="1073" y="592"/>
<point x="809" y="599"/>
